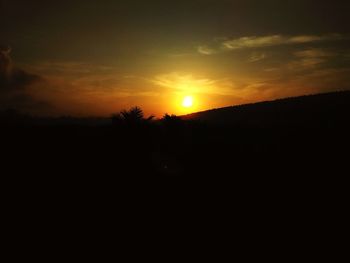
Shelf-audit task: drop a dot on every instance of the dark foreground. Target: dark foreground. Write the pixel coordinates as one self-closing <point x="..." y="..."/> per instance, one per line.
<point x="300" y="142"/>
<point x="278" y="172"/>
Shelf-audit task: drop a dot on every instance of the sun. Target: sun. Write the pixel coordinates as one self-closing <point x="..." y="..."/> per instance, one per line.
<point x="187" y="102"/>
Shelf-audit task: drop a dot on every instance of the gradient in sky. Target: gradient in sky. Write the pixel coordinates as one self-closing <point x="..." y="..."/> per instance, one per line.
<point x="93" y="58"/>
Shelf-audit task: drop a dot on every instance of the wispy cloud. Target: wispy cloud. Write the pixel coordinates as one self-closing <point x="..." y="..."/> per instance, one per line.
<point x="188" y="83"/>
<point x="253" y="42"/>
<point x="274" y="40"/>
<point x="314" y="53"/>
<point x="264" y="41"/>
<point x="206" y="50"/>
<point x="182" y="82"/>
<point x="255" y="57"/>
<point x="310" y="58"/>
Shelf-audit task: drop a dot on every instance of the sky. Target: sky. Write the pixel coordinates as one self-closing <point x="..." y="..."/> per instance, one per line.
<point x="95" y="58"/>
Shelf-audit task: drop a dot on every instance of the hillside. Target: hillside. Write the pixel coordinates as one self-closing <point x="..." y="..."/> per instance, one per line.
<point x="302" y="110"/>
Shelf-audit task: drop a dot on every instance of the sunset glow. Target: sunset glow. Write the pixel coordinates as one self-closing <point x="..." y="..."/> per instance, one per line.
<point x="187" y="102"/>
<point x="176" y="57"/>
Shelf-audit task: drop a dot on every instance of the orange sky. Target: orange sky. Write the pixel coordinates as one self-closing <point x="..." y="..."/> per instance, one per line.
<point x="95" y="58"/>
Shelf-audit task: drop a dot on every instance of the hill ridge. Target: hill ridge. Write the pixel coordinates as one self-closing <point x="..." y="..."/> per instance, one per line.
<point x="271" y="101"/>
<point x="310" y="105"/>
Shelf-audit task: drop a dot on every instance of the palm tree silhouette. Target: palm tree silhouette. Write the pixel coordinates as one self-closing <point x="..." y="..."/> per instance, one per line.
<point x="133" y="116"/>
<point x="171" y="120"/>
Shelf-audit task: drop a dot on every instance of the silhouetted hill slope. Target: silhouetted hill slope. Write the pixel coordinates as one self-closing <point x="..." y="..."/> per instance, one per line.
<point x="302" y="110"/>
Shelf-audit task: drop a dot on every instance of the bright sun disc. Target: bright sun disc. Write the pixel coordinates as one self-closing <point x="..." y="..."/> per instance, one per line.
<point x="187" y="102"/>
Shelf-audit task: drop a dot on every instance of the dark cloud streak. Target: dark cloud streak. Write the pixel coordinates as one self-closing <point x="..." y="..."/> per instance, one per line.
<point x="14" y="85"/>
<point x="12" y="78"/>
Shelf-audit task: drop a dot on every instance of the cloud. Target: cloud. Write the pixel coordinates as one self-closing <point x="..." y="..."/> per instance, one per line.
<point x="182" y="82"/>
<point x="255" y="57"/>
<point x="190" y="84"/>
<point x="253" y="42"/>
<point x="204" y="50"/>
<point x="12" y="78"/>
<point x="310" y="58"/>
<point x="274" y="40"/>
<point x="264" y="41"/>
<point x="313" y="53"/>
<point x="308" y="39"/>
<point x="14" y="85"/>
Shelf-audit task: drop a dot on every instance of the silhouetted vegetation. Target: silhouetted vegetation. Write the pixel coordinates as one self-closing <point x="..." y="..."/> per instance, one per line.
<point x="264" y="143"/>
<point x="171" y="119"/>
<point x="132" y="117"/>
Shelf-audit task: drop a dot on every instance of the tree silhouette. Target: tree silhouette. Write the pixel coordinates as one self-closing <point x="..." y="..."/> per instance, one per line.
<point x="170" y="119"/>
<point x="132" y="117"/>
